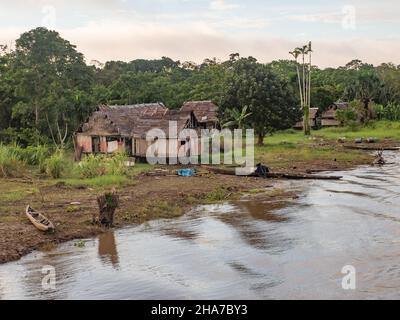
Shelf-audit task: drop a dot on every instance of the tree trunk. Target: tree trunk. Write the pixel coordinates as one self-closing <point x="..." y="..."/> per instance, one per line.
<point x="108" y="203"/>
<point x="306" y="121"/>
<point x="366" y="102"/>
<point x="36" y="117"/>
<point x="260" y="141"/>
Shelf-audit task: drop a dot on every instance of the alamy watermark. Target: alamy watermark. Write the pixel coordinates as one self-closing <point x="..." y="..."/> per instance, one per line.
<point x="207" y="146"/>
<point x="349" y="280"/>
<point x="49" y="19"/>
<point x="349" y="17"/>
<point x="49" y="280"/>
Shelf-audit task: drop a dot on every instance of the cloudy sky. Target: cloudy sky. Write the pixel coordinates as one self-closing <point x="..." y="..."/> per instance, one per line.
<point x="196" y="29"/>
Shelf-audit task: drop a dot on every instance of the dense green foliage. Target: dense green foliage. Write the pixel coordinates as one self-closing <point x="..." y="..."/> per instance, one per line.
<point x="56" y="165"/>
<point x="94" y="166"/>
<point x="10" y="163"/>
<point x="47" y="90"/>
<point x="346" y="116"/>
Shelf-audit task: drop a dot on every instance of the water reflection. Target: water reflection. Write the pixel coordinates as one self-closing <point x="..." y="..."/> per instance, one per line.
<point x="108" y="249"/>
<point x="240" y="250"/>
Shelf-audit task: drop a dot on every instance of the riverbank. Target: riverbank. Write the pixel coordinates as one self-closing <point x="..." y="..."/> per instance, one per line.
<point x="238" y="249"/>
<point x="145" y="198"/>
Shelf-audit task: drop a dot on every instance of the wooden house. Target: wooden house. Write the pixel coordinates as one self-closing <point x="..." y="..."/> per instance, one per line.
<point x="328" y="118"/>
<point x="133" y="128"/>
<point x="206" y="113"/>
<point x="315" y="120"/>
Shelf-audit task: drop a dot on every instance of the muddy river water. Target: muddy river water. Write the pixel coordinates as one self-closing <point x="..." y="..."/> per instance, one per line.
<point x="239" y="250"/>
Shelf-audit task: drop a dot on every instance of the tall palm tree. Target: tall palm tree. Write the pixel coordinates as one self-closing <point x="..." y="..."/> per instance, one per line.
<point x="304" y="83"/>
<point x="295" y="53"/>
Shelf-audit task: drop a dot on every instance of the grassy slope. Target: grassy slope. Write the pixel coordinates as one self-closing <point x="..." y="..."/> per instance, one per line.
<point x="290" y="148"/>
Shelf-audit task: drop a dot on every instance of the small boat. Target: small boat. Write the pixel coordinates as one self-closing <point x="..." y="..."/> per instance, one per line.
<point x="39" y="220"/>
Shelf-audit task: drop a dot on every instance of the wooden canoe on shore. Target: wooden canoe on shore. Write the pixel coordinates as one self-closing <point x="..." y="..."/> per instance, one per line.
<point x="291" y="176"/>
<point x="39" y="220"/>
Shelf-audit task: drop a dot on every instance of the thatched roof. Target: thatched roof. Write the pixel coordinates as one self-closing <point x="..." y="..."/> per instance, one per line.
<point x="314" y="113"/>
<point x="144" y="124"/>
<point x="331" y="112"/>
<point x="134" y="120"/>
<point x="205" y="111"/>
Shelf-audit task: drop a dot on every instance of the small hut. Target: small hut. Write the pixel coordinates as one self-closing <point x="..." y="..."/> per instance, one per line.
<point x="329" y="116"/>
<point x="315" y="120"/>
<point x="129" y="128"/>
<point x="206" y="112"/>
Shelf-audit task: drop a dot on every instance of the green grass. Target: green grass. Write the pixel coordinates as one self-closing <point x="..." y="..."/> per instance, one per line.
<point x="107" y="180"/>
<point x="284" y="149"/>
<point x="286" y="156"/>
<point x="15" y="192"/>
<point x="140" y="168"/>
<point x="215" y="196"/>
<point x="97" y="181"/>
<point x="288" y="137"/>
<point x="376" y="129"/>
<point x="161" y="210"/>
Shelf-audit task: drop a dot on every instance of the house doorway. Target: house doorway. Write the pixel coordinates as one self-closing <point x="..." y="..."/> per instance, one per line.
<point x="128" y="146"/>
<point x="96" y="144"/>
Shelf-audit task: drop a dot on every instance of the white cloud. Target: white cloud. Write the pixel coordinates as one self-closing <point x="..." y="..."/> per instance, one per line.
<point x="214" y="33"/>
<point x="222" y="5"/>
<point x="330" y="17"/>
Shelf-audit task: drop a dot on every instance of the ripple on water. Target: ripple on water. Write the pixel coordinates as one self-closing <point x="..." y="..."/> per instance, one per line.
<point x="239" y="250"/>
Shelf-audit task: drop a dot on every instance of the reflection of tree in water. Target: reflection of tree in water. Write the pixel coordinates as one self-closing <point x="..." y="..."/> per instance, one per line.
<point x="108" y="249"/>
<point x="177" y="231"/>
<point x="260" y="281"/>
<point x="256" y="223"/>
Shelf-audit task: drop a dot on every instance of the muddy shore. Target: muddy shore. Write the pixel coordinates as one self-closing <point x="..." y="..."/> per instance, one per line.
<point x="145" y="198"/>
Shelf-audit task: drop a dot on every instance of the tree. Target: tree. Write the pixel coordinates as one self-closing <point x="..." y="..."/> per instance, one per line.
<point x="7" y="97"/>
<point x="53" y="84"/>
<point x="304" y="81"/>
<point x="390" y="77"/>
<point x="324" y="96"/>
<point x="237" y="118"/>
<point x="266" y="94"/>
<point x="365" y="85"/>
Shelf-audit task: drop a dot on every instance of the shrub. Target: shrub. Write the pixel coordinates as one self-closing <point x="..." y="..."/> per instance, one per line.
<point x="11" y="164"/>
<point x="116" y="166"/>
<point x="389" y="112"/>
<point x="346" y="116"/>
<point x="36" y="156"/>
<point x="92" y="166"/>
<point x="56" y="165"/>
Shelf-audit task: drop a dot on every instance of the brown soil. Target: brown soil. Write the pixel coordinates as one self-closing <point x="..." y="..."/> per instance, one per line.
<point x="149" y="198"/>
<point x="146" y="198"/>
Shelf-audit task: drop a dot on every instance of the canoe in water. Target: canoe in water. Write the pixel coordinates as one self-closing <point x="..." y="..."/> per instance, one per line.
<point x="39" y="220"/>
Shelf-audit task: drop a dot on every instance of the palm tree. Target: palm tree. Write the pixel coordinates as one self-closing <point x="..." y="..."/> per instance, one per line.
<point x="237" y="117"/>
<point x="304" y="83"/>
<point x="295" y="53"/>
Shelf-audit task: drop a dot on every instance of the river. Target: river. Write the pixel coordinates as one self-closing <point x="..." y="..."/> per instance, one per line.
<point x="239" y="250"/>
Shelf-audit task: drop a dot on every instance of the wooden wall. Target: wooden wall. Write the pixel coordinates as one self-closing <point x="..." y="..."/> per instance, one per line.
<point x="85" y="142"/>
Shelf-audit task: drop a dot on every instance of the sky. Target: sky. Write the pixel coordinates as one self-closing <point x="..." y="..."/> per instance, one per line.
<point x="192" y="30"/>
